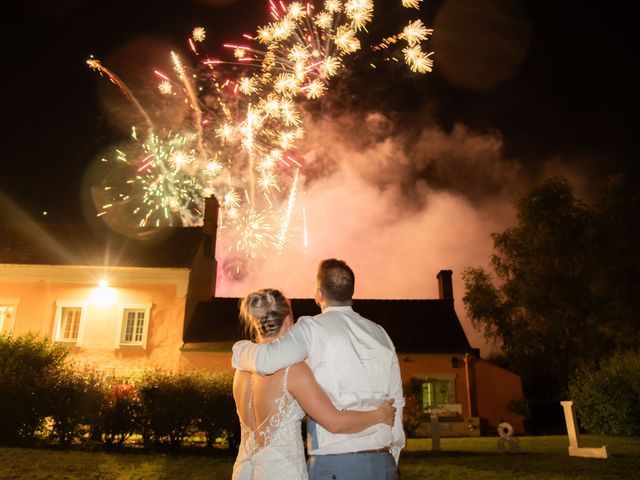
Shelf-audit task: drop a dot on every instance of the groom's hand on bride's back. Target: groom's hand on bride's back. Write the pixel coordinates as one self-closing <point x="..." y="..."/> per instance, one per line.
<point x="387" y="412"/>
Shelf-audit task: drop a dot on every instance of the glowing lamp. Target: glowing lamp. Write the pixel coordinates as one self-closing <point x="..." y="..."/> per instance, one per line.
<point x="103" y="296"/>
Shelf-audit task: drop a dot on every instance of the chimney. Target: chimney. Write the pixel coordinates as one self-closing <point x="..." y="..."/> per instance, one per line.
<point x="445" y="286"/>
<point x="210" y="226"/>
<point x="202" y="277"/>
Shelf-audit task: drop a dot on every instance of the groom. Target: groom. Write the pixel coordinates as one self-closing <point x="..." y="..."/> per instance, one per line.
<point x="354" y="361"/>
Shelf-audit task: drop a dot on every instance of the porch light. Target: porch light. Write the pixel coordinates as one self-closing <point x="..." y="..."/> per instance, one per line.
<point x="103" y="296"/>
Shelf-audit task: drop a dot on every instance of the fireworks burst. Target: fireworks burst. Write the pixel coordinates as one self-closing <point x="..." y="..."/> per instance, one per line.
<point x="164" y="180"/>
<point x="243" y="130"/>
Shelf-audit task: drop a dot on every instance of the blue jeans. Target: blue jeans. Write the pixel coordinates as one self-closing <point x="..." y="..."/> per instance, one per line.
<point x="353" y="466"/>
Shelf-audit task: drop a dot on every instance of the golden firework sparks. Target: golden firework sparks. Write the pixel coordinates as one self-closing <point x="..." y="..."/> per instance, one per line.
<point x="245" y="124"/>
<point x="411" y="4"/>
<point x="198" y="34"/>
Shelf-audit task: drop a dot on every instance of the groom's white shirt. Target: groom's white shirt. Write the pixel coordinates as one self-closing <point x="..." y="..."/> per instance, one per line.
<point x="354" y="361"/>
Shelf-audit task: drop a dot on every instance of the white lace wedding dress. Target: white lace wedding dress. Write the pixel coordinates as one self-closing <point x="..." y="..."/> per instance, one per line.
<point x="274" y="450"/>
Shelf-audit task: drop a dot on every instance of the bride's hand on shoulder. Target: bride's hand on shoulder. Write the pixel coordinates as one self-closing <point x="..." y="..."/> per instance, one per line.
<point x="387" y="412"/>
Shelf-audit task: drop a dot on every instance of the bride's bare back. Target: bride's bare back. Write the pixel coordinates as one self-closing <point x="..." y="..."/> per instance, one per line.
<point x="271" y="443"/>
<point x="257" y="400"/>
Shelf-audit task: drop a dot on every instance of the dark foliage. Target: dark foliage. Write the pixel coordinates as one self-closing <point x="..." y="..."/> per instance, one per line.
<point x="565" y="283"/>
<point x="30" y="369"/>
<point x="607" y="397"/>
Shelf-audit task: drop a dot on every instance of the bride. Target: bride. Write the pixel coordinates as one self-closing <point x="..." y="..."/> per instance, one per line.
<point x="271" y="407"/>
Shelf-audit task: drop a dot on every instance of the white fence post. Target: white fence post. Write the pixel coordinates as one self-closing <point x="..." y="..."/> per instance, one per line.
<point x="435" y="432"/>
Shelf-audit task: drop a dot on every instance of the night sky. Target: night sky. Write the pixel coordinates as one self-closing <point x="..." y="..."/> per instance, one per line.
<point x="559" y="83"/>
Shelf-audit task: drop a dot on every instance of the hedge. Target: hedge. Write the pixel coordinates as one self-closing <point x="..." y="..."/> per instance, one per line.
<point x="44" y="396"/>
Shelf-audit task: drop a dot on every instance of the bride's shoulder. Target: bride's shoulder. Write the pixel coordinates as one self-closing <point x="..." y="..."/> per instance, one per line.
<point x="299" y="371"/>
<point x="241" y="377"/>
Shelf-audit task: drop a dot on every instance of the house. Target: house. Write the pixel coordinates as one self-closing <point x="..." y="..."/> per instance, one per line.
<point x="125" y="303"/>
<point x="118" y="302"/>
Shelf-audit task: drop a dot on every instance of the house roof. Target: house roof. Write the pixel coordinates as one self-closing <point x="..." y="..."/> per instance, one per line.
<point x="80" y="244"/>
<point x="415" y="326"/>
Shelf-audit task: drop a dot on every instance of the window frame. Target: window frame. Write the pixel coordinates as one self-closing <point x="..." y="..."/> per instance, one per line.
<point x="57" y="326"/>
<point x="124" y="307"/>
<point x="9" y="302"/>
<point x="450" y="379"/>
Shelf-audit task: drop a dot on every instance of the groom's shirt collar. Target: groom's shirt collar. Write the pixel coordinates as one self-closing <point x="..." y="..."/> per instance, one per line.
<point x="343" y="308"/>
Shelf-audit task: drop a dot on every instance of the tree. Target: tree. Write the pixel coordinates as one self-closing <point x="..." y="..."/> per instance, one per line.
<point x="556" y="302"/>
<point x="617" y="279"/>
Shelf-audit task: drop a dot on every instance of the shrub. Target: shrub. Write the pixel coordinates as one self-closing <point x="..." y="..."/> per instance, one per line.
<point x="413" y="416"/>
<point x="77" y="398"/>
<point x="29" y="368"/>
<point x="169" y="405"/>
<point x="121" y="413"/>
<point x="607" y="398"/>
<point x="217" y="411"/>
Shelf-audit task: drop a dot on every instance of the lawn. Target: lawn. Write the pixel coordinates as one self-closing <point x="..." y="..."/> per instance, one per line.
<point x="542" y="458"/>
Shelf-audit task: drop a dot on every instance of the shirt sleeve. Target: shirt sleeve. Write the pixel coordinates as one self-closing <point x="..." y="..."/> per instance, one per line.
<point x="397" y="394"/>
<point x="267" y="358"/>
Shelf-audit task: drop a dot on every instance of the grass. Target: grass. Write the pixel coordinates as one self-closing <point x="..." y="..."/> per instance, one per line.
<point x="74" y="463"/>
<point x="542" y="458"/>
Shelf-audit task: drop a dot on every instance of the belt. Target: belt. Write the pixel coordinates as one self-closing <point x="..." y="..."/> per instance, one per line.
<point x="374" y="450"/>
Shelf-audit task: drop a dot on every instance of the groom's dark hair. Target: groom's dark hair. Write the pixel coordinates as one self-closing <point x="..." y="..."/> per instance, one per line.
<point x="336" y="280"/>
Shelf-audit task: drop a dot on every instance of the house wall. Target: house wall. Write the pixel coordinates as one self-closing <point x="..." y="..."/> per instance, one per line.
<point x="39" y="290"/>
<point x="164" y="333"/>
<point x="494" y="387"/>
<point x="206" y="362"/>
<point x="424" y="366"/>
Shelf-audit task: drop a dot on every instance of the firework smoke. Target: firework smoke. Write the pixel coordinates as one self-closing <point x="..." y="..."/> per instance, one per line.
<point x="240" y="142"/>
<point x="366" y="204"/>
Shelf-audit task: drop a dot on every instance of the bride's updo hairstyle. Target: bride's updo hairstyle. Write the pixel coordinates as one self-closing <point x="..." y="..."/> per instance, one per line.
<point x="263" y="312"/>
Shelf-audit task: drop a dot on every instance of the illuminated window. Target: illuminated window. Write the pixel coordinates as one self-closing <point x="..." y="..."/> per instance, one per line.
<point x="8" y="308"/>
<point x="70" y="324"/>
<point x="134" y="324"/>
<point x="69" y="321"/>
<point x="437" y="392"/>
